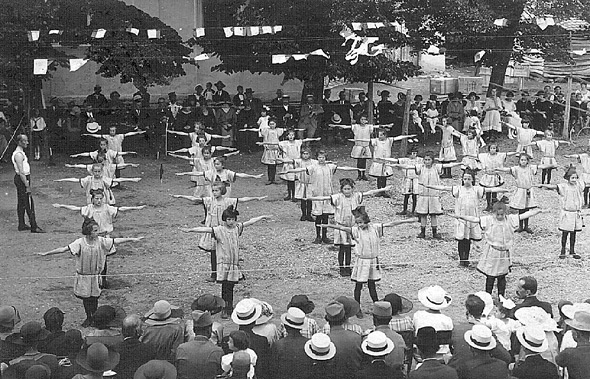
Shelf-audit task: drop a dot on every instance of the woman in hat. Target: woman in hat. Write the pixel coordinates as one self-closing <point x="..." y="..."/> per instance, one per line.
<point x="215" y="206"/>
<point x="575" y="359"/>
<point x="537" y="317"/>
<point x="90" y="253"/>
<point x="467" y="197"/>
<point x="344" y="204"/>
<point x="226" y="118"/>
<point x="96" y="360"/>
<point x="498" y="242"/>
<point x="263" y="325"/>
<point x="238" y="341"/>
<point x="472" y="104"/>
<point x="493" y="105"/>
<point x="524" y="198"/>
<point x="227" y="249"/>
<point x="533" y="342"/>
<point x="490" y="178"/>
<point x="290" y="150"/>
<point x="570" y="220"/>
<point x="366" y="236"/>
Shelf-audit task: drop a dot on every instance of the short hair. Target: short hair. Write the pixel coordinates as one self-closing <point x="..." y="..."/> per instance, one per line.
<point x="220" y="160"/>
<point x="470" y="173"/>
<point x="474" y="305"/>
<point x="95" y="192"/>
<point x="346" y="182"/>
<point x="131" y="326"/>
<point x="321" y="152"/>
<point x="499" y="205"/>
<point x="230" y="212"/>
<point x="530" y="284"/>
<point x="240" y="339"/>
<point x="20" y="137"/>
<point x="429" y="153"/>
<point x="206" y="148"/>
<point x="87" y="226"/>
<point x="361" y="213"/>
<point x="96" y="164"/>
<point x="381" y="320"/>
<point x="220" y="185"/>
<point x="473" y="112"/>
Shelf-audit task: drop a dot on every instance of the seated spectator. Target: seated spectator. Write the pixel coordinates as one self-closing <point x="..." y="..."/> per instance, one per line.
<point x="402" y="324"/>
<point x="577" y="360"/>
<point x="29" y="336"/>
<point x="105" y="320"/>
<point x="206" y="303"/>
<point x="9" y="318"/>
<point x="431" y="367"/>
<point x="287" y="354"/>
<point x="533" y="342"/>
<point x="322" y="351"/>
<point x="481" y="364"/>
<point x="501" y="329"/>
<point x="264" y="327"/>
<point x="27" y="369"/>
<point x="56" y="342"/>
<point x="536" y="316"/>
<point x="348" y="344"/>
<point x="527" y="291"/>
<point x="351" y="308"/>
<point x="68" y="367"/>
<point x="199" y="358"/>
<point x="238" y="341"/>
<point x="381" y="320"/>
<point x="245" y="314"/>
<point x="165" y="330"/>
<point x="240" y="365"/>
<point x="96" y="359"/>
<point x="377" y="347"/>
<point x="310" y="326"/>
<point x="567" y="312"/>
<point x="435" y="299"/>
<point x="133" y="353"/>
<point x="156" y="369"/>
<point x="38" y="371"/>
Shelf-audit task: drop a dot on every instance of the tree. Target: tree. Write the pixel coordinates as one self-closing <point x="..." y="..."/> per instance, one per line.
<point x="137" y="59"/>
<point x="307" y="25"/>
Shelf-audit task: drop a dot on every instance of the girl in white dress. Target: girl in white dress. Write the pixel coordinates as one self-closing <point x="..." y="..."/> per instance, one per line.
<point x="584" y="160"/>
<point x="196" y="134"/>
<point x="215" y="206"/>
<point x="344" y="203"/>
<point x="467" y="197"/>
<point x="290" y="150"/>
<point x="381" y="149"/>
<point x="572" y="198"/>
<point x="366" y="236"/>
<point x="447" y="148"/>
<point x="491" y="123"/>
<point x="270" y="141"/>
<point x="410" y="182"/>
<point x="226" y="236"/>
<point x="361" y="151"/>
<point x="524" y="136"/>
<point x="490" y="161"/>
<point x="302" y="181"/>
<point x="547" y="146"/>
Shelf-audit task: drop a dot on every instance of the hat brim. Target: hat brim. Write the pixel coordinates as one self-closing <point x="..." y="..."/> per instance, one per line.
<point x="526" y="316"/>
<point x="169" y="371"/>
<point x="467" y="338"/>
<point x="537" y="349"/>
<point x="569" y="310"/>
<point x="288" y="323"/>
<point x="578" y="325"/>
<point x="314" y="356"/>
<point x="17" y="338"/>
<point x="307" y="307"/>
<point x="387" y="350"/>
<point x="218" y="306"/>
<point x="250" y="320"/>
<point x="92" y="127"/>
<point x="423" y="298"/>
<point x="111" y="362"/>
<point x="407" y="305"/>
<point x="351" y="306"/>
<point x="175" y="315"/>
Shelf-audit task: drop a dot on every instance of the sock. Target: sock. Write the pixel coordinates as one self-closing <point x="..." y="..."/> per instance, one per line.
<point x="347" y="255"/>
<point x="341" y="257"/>
<point x="549" y="175"/>
<point x="309" y="207"/>
<point x="502" y="285"/>
<point x="563" y="241"/>
<point x="434" y="229"/>
<point x="526" y="223"/>
<point x="414" y="199"/>
<point x="406" y="199"/>
<point x="372" y="290"/>
<point x="490" y="283"/>
<point x="489" y="199"/>
<point x="422" y="230"/>
<point x="572" y="242"/>
<point x="586" y="192"/>
<point x="303" y="208"/>
<point x="325" y="230"/>
<point x="543" y="175"/>
<point x="272" y="170"/>
<point x="357" y="292"/>
<point x="467" y="249"/>
<point x="318" y="230"/>
<point x="291" y="188"/>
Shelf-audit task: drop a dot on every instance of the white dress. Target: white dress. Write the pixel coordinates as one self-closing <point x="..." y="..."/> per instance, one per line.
<point x="381" y="149"/>
<point x="429" y="199"/>
<point x="410" y="184"/>
<point x="343" y="216"/>
<point x="215" y="208"/>
<point x="303" y="179"/>
<point x="490" y="162"/>
<point x="572" y="199"/>
<point x="524" y="195"/>
<point x="290" y="150"/>
<point x="547" y="149"/>
<point x="367" y="245"/>
<point x="467" y="204"/>
<point x="321" y="185"/>
<point x="361" y="148"/>
<point x="271" y="151"/>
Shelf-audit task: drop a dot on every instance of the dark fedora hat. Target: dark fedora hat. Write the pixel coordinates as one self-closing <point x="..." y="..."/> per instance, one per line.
<point x="302" y="302"/>
<point x="107" y="316"/>
<point x="31" y="331"/>
<point x="399" y="304"/>
<point x="351" y="306"/>
<point x="207" y="302"/>
<point x="97" y="358"/>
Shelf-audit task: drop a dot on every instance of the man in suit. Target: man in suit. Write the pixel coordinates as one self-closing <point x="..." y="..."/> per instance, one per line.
<point x="199" y="358"/>
<point x="376" y="347"/>
<point x="221" y="95"/>
<point x="348" y="358"/>
<point x="361" y="108"/>
<point x="431" y="367"/>
<point x="285" y="113"/>
<point x="98" y="101"/>
<point x="481" y="364"/>
<point x="385" y="109"/>
<point x="533" y="341"/>
<point x="245" y="315"/>
<point x="343" y="108"/>
<point x="381" y="318"/>
<point x="577" y="359"/>
<point x="133" y="353"/>
<point x="289" y="360"/>
<point x="527" y="290"/>
<point x="308" y="117"/>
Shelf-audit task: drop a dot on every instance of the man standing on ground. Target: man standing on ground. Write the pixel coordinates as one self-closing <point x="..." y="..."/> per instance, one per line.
<point x="22" y="181"/>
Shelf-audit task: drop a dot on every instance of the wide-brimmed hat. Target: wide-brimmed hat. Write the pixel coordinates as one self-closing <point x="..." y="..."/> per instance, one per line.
<point x="507" y="303"/>
<point x="156" y="369"/>
<point x="9" y="316"/>
<point x="294" y="318"/>
<point x="533" y="338"/>
<point x="97" y="358"/>
<point x="266" y="313"/>
<point x="31" y="331"/>
<point x="207" y="302"/>
<point x="382" y="309"/>
<point x="434" y="297"/>
<point x="161" y="314"/>
<point x="75" y="111"/>
<point x="246" y="312"/>
<point x="38" y="371"/>
<point x="219" y="84"/>
<point x="19" y="370"/>
<point x="377" y="344"/>
<point x="336" y="119"/>
<point x="473" y="94"/>
<point x="335" y="312"/>
<point x="249" y="90"/>
<point x="569" y="310"/>
<point x="92" y="127"/>
<point x="53" y="316"/>
<point x="351" y="306"/>
<point x="302" y="302"/>
<point x="480" y="337"/>
<point x="201" y="319"/>
<point x="137" y="97"/>
<point x="536" y="316"/>
<point x="399" y="304"/>
<point x="581" y="321"/>
<point x="109" y="316"/>
<point x="487" y="300"/>
<point x="320" y="347"/>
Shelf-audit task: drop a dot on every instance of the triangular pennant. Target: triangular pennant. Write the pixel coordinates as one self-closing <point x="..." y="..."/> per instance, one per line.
<point x="266" y="29"/>
<point x="280" y="58"/>
<point x="132" y="31"/>
<point x="199" y="32"/>
<point x="56" y="31"/>
<point x="356" y="26"/>
<point x="579" y="52"/>
<point x="228" y="31"/>
<point x="299" y="57"/>
<point x="277" y="28"/>
<point x="40" y="66"/>
<point x="542" y="23"/>
<point x="98" y="33"/>
<point x="320" y="53"/>
<point x="33" y="35"/>
<point x="77" y="63"/>
<point x="153" y="33"/>
<point x="202" y="57"/>
<point x="239" y="31"/>
<point x="479" y="55"/>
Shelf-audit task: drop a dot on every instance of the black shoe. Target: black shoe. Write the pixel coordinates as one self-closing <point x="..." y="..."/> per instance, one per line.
<point x="402" y="213"/>
<point x="287" y="198"/>
<point x="203" y="222"/>
<point x="87" y="323"/>
<point x="528" y="230"/>
<point x="327" y="241"/>
<point x="343" y="272"/>
<point x="211" y="279"/>
<point x="303" y="218"/>
<point x="421" y="235"/>
<point x="437" y="236"/>
<point x="37" y="230"/>
<point x="317" y="241"/>
<point x="23" y="227"/>
<point x="104" y="284"/>
<point x="575" y="256"/>
<point x="309" y="218"/>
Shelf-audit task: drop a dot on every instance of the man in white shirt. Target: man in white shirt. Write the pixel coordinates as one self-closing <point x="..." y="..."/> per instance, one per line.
<point x="22" y="181"/>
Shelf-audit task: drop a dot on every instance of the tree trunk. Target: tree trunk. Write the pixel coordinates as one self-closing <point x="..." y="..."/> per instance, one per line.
<point x="499" y="72"/>
<point x="371" y="103"/>
<point x="403" y="151"/>
<point x="313" y="86"/>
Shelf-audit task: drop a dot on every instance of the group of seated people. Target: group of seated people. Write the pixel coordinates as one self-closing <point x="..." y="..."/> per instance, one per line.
<point x="496" y="339"/>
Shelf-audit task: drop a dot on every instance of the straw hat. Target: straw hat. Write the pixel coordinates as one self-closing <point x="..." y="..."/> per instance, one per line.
<point x="581" y="321"/>
<point x="533" y="338"/>
<point x="294" y="318"/>
<point x="336" y="119"/>
<point x="434" y="297"/>
<point x="92" y="127"/>
<point x="488" y="301"/>
<point x="377" y="344"/>
<point x="161" y="314"/>
<point x="320" y="347"/>
<point x="569" y="310"/>
<point x="156" y="369"/>
<point x="246" y="312"/>
<point x="480" y="337"/>
<point x="266" y="314"/>
<point x="536" y="316"/>
<point x="97" y="358"/>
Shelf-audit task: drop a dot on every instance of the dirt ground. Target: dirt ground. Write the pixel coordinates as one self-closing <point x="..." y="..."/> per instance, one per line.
<point x="279" y="258"/>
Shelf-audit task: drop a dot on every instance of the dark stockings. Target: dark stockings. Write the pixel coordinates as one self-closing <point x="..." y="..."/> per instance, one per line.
<point x="586" y="191"/>
<point x="291" y="189"/>
<point x="272" y="171"/>
<point x="546" y="173"/>
<point x="344" y="255"/>
<point x="213" y="264"/>
<point x="523" y="224"/>
<point x="464" y="247"/>
<point x="501" y="284"/>
<point x="381" y="182"/>
<point x="90" y="306"/>
<point x="407" y="200"/>
<point x="491" y="198"/>
<point x="227" y="294"/>
<point x="321" y="232"/>
<point x="361" y="164"/>
<point x="564" y="235"/>
<point x="372" y="291"/>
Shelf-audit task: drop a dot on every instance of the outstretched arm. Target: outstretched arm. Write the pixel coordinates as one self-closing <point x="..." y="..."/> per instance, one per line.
<point x="451" y="165"/>
<point x="65" y="206"/>
<point x="348" y="168"/>
<point x="176" y="132"/>
<point x="196" y="173"/>
<point x="532" y="212"/>
<point x="183" y="150"/>
<point x="71" y="180"/>
<point x="199" y="229"/>
<point x="126" y="152"/>
<point x="311" y="139"/>
<point x="561" y="142"/>
<point x="125" y="165"/>
<point x="318" y="198"/>
<point x="75" y="165"/>
<point x="391" y="160"/>
<point x="180" y="156"/>
<point x="125" y="209"/>
<point x="340" y="126"/>
<point x="119" y="180"/>
<point x="399" y="222"/>
<point x="231" y="153"/>
<point x="511" y="153"/>
<point x="495" y="189"/>
<point x="191" y="198"/>
<point x="336" y="226"/>
<point x="377" y="191"/>
<point x="133" y="133"/>
<point x="80" y="155"/>
<point x="59" y="250"/>
<point x="256" y="219"/>
<point x="466" y="218"/>
<point x="399" y="138"/>
<point x="242" y="175"/>
<point x="576" y="156"/>
<point x="247" y="199"/>
<point x="293" y="170"/>
<point x="123" y="240"/>
<point x="510" y="126"/>
<point x="219" y="136"/>
<point x="502" y="169"/>
<point x="217" y="148"/>
<point x="440" y="188"/>
<point x="94" y="135"/>
<point x="548" y="186"/>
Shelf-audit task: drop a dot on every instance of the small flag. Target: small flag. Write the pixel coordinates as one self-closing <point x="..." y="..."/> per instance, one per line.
<point x="132" y="31"/>
<point x="479" y="55"/>
<point x="40" y="66"/>
<point x="99" y="33"/>
<point x="579" y="52"/>
<point x="153" y="33"/>
<point x="254" y="30"/>
<point x="321" y="53"/>
<point x="433" y="50"/>
<point x="266" y="29"/>
<point x="199" y="32"/>
<point x="75" y="64"/>
<point x="371" y="25"/>
<point x="501" y="22"/>
<point x="280" y="58"/>
<point x="228" y="31"/>
<point x="202" y="57"/>
<point x="356" y="26"/>
<point x="379" y="25"/>
<point x="161" y="172"/>
<point x="56" y="31"/>
<point x="277" y="28"/>
<point x="299" y="57"/>
<point x="33" y="35"/>
<point x="239" y="31"/>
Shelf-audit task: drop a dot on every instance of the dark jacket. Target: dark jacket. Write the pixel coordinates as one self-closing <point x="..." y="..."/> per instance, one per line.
<point x="288" y="358"/>
<point x="482" y="367"/>
<point x="433" y="369"/>
<point x="261" y="347"/>
<point x="378" y="369"/>
<point x="348" y="351"/>
<point x="576" y="360"/>
<point x="461" y="350"/>
<point x="133" y="353"/>
<point x="532" y="301"/>
<point x="56" y="343"/>
<point x="535" y="367"/>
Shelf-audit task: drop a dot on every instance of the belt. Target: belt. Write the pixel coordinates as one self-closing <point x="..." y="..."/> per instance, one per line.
<point x="499" y="248"/>
<point x="79" y="273"/>
<point x="574" y="211"/>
